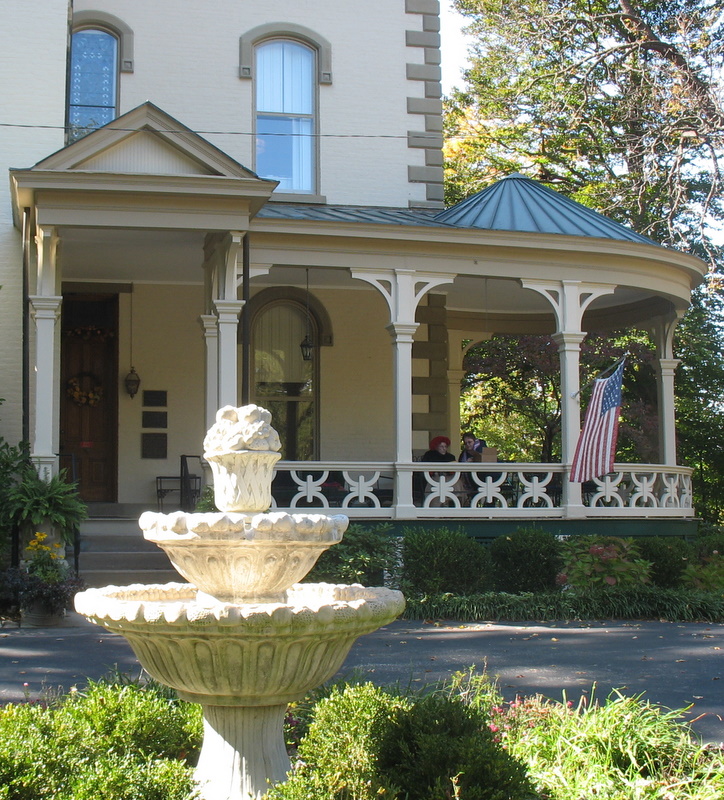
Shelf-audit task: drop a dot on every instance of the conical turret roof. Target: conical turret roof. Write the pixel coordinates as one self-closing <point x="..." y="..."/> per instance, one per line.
<point x="518" y="203"/>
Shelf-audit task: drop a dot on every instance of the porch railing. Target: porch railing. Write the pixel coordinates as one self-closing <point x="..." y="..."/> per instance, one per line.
<point x="422" y="490"/>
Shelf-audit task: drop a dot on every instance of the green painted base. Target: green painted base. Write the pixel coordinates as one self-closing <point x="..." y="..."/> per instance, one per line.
<point x="488" y="529"/>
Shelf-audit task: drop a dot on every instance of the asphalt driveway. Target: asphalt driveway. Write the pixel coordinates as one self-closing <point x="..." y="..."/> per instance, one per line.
<point x="676" y="665"/>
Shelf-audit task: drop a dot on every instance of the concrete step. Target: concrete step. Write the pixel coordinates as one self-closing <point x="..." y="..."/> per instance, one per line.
<point x="113" y="551"/>
<point x="105" y="577"/>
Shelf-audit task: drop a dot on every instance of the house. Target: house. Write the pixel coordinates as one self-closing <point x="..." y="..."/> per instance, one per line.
<point x="191" y="195"/>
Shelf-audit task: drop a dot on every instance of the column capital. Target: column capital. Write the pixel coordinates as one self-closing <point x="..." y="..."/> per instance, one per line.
<point x="45" y="306"/>
<point x="568" y="339"/>
<point x="209" y="324"/>
<point x="667" y="366"/>
<point x="402" y="331"/>
<point x="228" y="310"/>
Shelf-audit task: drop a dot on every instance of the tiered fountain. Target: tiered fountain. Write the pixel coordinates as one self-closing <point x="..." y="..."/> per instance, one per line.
<point x="243" y="638"/>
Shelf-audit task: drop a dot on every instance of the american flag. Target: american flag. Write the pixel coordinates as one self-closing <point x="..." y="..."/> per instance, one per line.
<point x="596" y="448"/>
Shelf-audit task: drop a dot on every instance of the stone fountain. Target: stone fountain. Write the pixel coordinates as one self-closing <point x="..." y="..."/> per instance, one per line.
<point x="242" y="638"/>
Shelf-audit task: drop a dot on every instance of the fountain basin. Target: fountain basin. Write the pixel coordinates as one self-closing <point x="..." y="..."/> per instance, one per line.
<point x="259" y="654"/>
<point x="243" y="557"/>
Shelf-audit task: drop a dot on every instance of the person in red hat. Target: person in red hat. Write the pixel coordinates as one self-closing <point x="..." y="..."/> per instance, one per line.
<point x="438" y="450"/>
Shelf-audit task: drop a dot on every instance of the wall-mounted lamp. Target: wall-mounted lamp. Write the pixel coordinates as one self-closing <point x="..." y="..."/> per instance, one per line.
<point x="307" y="344"/>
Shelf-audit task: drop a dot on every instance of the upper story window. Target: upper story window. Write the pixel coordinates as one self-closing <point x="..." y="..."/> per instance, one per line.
<point x="286" y="114"/>
<point x="101" y="49"/>
<point x="93" y="89"/>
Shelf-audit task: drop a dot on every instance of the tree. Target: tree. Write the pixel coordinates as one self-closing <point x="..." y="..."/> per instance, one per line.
<point x="617" y="104"/>
<point x="613" y="102"/>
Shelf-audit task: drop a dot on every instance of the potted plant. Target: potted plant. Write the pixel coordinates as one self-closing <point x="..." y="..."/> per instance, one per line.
<point x="43" y="584"/>
<point x="52" y="506"/>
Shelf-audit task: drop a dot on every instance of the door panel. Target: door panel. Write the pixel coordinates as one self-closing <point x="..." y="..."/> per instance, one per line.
<point x="89" y="394"/>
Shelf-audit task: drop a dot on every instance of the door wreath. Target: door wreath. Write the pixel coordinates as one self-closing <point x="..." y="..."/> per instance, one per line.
<point x="85" y="389"/>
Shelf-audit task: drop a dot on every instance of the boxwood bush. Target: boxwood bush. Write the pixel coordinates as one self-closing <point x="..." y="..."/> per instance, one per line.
<point x="527" y="560"/>
<point x="365" y="742"/>
<point x="443" y="560"/>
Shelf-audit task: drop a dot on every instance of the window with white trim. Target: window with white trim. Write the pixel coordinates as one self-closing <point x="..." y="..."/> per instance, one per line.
<point x="285" y="90"/>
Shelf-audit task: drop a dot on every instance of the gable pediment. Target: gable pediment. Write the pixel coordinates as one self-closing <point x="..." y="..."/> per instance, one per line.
<point x="148" y="141"/>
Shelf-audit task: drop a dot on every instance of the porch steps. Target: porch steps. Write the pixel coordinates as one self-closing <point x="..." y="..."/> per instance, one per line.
<point x="113" y="551"/>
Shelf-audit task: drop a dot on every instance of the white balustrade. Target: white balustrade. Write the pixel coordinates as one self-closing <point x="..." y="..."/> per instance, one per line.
<point x="487" y="490"/>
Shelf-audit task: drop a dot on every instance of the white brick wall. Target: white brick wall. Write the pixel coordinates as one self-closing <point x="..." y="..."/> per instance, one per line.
<point x="32" y="88"/>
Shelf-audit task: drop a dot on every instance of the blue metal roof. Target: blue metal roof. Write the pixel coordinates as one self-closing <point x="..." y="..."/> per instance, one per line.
<point x="518" y="203"/>
<point x="370" y="215"/>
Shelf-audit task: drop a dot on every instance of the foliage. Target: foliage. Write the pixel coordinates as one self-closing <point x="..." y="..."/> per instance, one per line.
<point x="206" y="502"/>
<point x="442" y="560"/>
<point x="637" y="602"/>
<point x="614" y="103"/>
<point x="591" y="562"/>
<point x="511" y="393"/>
<point x="365" y="742"/>
<point x="112" y="742"/>
<point x="12" y="457"/>
<point x="669" y="557"/>
<point x="707" y="576"/>
<point x="44" y="578"/>
<point x="34" y="500"/>
<point x="361" y="557"/>
<point x="623" y="748"/>
<point x="528" y="560"/>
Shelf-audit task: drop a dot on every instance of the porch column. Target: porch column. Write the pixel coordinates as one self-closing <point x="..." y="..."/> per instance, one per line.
<point x="46" y="312"/>
<point x="402" y="289"/>
<point x="211" y="348"/>
<point x="454" y="379"/>
<point x="569" y="299"/>
<point x="228" y="314"/>
<point x="45" y="308"/>
<point x="666" y="365"/>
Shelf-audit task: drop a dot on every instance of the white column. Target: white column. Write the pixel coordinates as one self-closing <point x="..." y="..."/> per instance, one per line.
<point x="454" y="379"/>
<point x="46" y="312"/>
<point x="209" y="324"/>
<point x="569" y="299"/>
<point x="228" y="313"/>
<point x="402" y="289"/>
<point x="666" y="369"/>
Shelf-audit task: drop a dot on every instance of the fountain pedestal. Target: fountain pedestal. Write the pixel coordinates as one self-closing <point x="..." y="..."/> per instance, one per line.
<point x="242" y="638"/>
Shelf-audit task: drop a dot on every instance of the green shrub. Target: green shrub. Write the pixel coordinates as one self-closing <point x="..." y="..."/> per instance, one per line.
<point x="362" y="556"/>
<point x="113" y="742"/>
<point x="443" y="560"/>
<point x="365" y="743"/>
<point x="598" y="562"/>
<point x="709" y="542"/>
<point x="707" y="575"/>
<point x="669" y="557"/>
<point x="442" y="748"/>
<point x="527" y="560"/>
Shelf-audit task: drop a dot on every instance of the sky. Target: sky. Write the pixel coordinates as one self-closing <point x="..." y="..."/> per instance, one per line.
<point x="454" y="46"/>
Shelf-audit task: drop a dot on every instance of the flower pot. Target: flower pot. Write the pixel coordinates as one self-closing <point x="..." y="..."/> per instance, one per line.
<point x="38" y="615"/>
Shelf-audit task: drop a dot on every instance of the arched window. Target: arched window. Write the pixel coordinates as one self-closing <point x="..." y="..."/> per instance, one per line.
<point x="285" y="91"/>
<point x="93" y="81"/>
<point x="101" y="49"/>
<point x="283" y="381"/>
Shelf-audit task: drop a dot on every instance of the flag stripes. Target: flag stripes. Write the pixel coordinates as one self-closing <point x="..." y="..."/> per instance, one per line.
<point x="596" y="448"/>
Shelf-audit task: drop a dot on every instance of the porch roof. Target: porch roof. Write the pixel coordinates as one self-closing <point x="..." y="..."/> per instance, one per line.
<point x="515" y="204"/>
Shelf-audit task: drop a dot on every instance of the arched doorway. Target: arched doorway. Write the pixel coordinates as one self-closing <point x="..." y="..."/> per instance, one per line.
<point x="282" y="380"/>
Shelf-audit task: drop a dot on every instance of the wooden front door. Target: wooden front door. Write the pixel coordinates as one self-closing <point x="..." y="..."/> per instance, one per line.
<point x="89" y="393"/>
